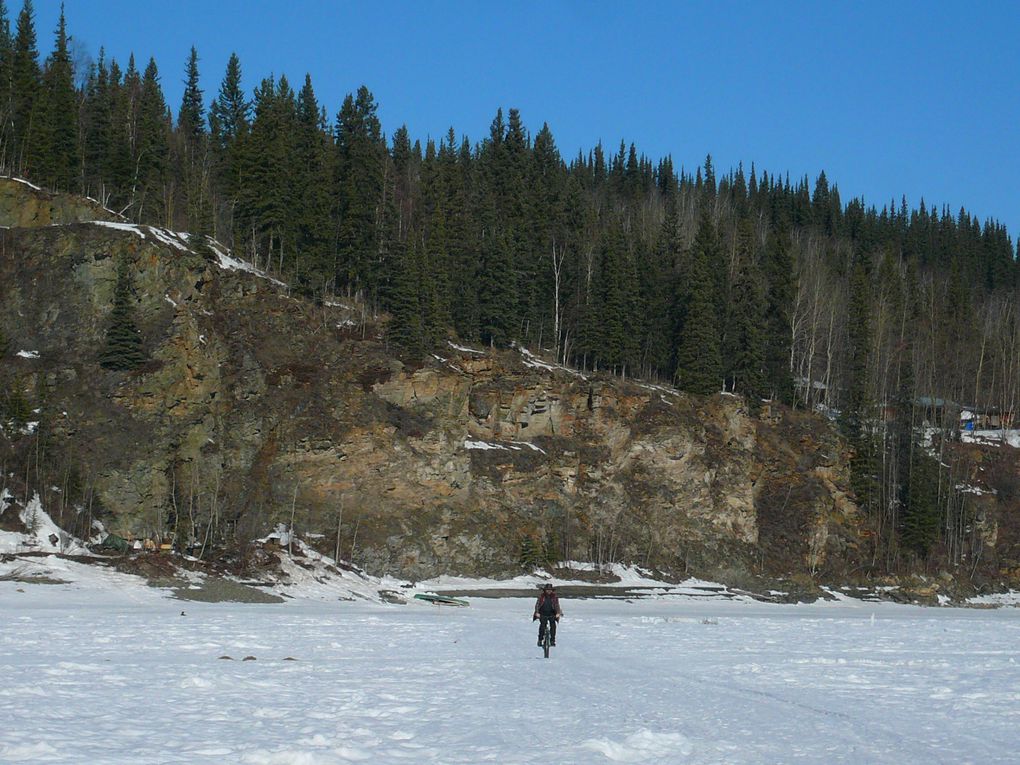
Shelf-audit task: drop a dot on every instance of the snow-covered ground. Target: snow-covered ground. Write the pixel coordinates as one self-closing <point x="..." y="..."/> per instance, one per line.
<point x="106" y="669"/>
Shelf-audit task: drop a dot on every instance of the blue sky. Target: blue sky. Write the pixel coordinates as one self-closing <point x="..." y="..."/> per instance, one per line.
<point x="890" y="99"/>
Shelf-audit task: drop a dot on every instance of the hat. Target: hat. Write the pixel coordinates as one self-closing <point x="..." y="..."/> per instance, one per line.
<point x="548" y="586"/>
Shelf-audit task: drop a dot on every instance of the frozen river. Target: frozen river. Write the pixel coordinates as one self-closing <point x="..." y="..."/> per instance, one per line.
<point x="118" y="674"/>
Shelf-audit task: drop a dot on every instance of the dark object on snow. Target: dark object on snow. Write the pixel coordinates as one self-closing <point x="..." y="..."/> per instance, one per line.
<point x="440" y="600"/>
<point x="114" y="542"/>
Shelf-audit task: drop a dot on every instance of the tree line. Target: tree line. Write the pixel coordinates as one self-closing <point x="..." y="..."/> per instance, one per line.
<point x="747" y="281"/>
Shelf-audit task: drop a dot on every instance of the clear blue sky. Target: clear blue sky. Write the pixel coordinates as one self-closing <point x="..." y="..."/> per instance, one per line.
<point x="889" y="98"/>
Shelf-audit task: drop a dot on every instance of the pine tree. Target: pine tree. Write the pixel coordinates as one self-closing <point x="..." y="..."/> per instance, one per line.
<point x="123" y="350"/>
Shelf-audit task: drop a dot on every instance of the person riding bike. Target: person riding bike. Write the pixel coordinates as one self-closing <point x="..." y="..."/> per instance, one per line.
<point x="548" y="610"/>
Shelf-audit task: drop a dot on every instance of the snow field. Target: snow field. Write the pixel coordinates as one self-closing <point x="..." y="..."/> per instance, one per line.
<point x="113" y="672"/>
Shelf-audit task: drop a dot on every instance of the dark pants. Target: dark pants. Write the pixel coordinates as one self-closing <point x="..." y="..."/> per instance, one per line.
<point x="549" y="619"/>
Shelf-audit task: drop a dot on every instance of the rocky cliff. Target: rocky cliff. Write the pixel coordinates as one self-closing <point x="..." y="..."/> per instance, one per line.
<point x="256" y="408"/>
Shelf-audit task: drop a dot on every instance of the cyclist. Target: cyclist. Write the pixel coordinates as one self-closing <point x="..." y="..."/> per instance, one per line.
<point x="548" y="610"/>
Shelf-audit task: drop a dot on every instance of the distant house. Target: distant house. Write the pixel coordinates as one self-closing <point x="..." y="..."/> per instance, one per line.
<point x="934" y="411"/>
<point x="810" y="390"/>
<point x="987" y="418"/>
<point x="938" y="412"/>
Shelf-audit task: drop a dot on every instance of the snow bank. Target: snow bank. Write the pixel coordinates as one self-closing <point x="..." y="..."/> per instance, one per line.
<point x="516" y="446"/>
<point x="529" y="359"/>
<point x="991" y="437"/>
<point x="129" y="227"/>
<point x="180" y="240"/>
<point x="27" y="183"/>
<point x="1011" y="599"/>
<point x="43" y="534"/>
<point x="643" y="746"/>
<point x="310" y="575"/>
<point x="229" y="263"/>
<point x="464" y="349"/>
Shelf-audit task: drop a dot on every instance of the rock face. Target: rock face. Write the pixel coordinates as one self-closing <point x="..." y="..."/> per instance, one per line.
<point x="26" y="205"/>
<point x="257" y="408"/>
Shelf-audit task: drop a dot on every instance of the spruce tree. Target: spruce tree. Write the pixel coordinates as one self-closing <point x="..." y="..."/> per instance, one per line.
<point x="658" y="276"/>
<point x="123" y="350"/>
<point x="228" y="127"/>
<point x="857" y="417"/>
<point x="709" y="183"/>
<point x="920" y="521"/>
<point x="153" y="149"/>
<point x="53" y="154"/>
<point x="457" y="174"/>
<point x="192" y="153"/>
<point x="496" y="290"/>
<point x="191" y="117"/>
<point x="778" y="316"/>
<point x="118" y="166"/>
<point x="267" y="195"/>
<point x="96" y="116"/>
<point x="6" y="54"/>
<point x="25" y="85"/>
<point x="436" y="281"/>
<point x="744" y="337"/>
<point x="406" y="327"/>
<point x="359" y="177"/>
<point x="6" y="49"/>
<point x="699" y="366"/>
<point x="312" y="174"/>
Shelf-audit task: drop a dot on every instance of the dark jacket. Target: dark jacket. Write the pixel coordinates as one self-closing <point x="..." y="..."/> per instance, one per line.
<point x="548" y="605"/>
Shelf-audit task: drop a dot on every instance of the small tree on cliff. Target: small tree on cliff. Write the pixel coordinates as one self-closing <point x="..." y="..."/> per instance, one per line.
<point x="123" y="350"/>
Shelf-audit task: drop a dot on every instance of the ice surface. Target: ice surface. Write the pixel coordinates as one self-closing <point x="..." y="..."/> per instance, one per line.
<point x="105" y="669"/>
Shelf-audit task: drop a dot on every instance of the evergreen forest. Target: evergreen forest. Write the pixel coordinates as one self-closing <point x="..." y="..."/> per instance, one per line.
<point x="889" y="319"/>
